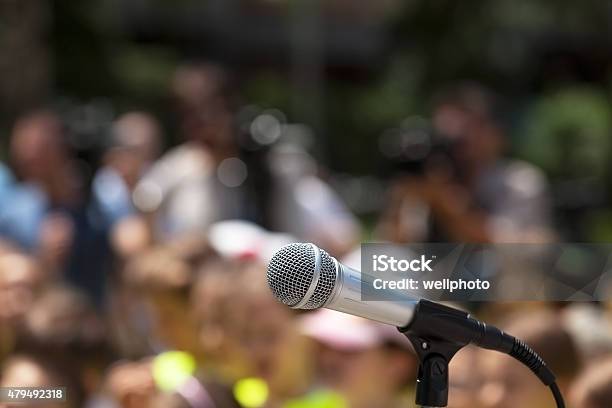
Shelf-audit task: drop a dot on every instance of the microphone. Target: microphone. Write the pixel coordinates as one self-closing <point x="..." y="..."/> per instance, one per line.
<point x="303" y="276"/>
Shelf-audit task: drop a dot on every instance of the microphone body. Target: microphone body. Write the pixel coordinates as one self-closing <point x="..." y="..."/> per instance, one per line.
<point x="347" y="299"/>
<point x="302" y="276"/>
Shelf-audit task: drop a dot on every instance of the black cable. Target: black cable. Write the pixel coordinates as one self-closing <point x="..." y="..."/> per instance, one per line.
<point x="494" y="339"/>
<point x="526" y="355"/>
<point x="557" y="394"/>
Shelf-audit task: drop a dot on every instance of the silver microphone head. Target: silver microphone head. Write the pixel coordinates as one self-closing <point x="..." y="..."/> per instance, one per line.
<point x="302" y="276"/>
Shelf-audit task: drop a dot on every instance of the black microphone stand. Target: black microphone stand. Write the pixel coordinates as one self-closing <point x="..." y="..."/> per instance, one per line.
<point x="438" y="332"/>
<point x="432" y="377"/>
<point x="433" y="351"/>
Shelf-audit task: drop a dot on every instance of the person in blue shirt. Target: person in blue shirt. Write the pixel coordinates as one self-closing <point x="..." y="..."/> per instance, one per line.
<point x="47" y="210"/>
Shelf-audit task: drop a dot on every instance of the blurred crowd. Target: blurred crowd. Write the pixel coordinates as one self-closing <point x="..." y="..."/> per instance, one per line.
<point x="141" y="283"/>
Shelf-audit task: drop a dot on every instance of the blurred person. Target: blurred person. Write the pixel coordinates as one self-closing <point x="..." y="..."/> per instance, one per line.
<point x="269" y="337"/>
<point x="183" y="186"/>
<point x="305" y="206"/>
<point x="131" y="236"/>
<point x="195" y="394"/>
<point x="212" y="176"/>
<point x="63" y="322"/>
<point x="130" y="384"/>
<point x="366" y="363"/>
<point x="508" y="383"/>
<point x="150" y="310"/>
<point x="20" y="282"/>
<point x="47" y="212"/>
<point x="468" y="191"/>
<point x="135" y="143"/>
<point x="248" y="339"/>
<point x="213" y="300"/>
<point x="47" y="176"/>
<point x="164" y="380"/>
<point x="593" y="388"/>
<point x="56" y="238"/>
<point x="464" y="378"/>
<point x="40" y="155"/>
<point x="591" y="328"/>
<point x="41" y="370"/>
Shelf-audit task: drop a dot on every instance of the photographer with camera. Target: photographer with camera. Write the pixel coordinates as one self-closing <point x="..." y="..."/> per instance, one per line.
<point x="455" y="184"/>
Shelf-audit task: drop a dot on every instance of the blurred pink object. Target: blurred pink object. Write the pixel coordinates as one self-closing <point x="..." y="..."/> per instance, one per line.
<point x="349" y="333"/>
<point x="246" y="240"/>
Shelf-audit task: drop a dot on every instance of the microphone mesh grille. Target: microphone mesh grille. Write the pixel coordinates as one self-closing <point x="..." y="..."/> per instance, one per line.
<point x="326" y="283"/>
<point x="291" y="272"/>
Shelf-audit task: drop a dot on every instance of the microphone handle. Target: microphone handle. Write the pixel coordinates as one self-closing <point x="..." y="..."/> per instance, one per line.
<point x="348" y="294"/>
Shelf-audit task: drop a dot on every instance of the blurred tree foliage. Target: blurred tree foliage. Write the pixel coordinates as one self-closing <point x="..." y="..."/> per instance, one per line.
<point x="567" y="133"/>
<point x="379" y="64"/>
<point x="518" y="47"/>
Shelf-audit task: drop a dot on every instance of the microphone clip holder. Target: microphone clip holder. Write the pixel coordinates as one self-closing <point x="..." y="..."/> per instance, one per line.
<point x="437" y="333"/>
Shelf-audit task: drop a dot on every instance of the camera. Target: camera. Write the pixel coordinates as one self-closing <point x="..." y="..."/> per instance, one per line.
<point x="415" y="147"/>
